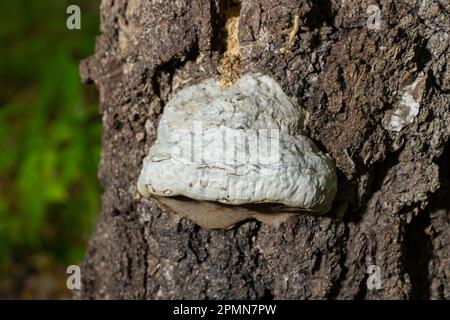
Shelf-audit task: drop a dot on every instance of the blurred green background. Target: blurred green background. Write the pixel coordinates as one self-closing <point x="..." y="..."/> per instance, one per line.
<point x="49" y="145"/>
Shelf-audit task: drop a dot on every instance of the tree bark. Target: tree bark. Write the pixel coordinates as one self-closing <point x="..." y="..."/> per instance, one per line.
<point x="351" y="78"/>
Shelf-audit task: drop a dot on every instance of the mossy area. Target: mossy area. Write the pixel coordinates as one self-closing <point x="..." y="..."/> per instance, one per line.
<point x="50" y="131"/>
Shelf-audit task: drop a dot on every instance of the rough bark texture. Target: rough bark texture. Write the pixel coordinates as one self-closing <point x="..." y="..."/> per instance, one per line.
<point x="349" y="77"/>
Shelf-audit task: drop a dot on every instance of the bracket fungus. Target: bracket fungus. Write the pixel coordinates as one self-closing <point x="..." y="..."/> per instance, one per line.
<point x="236" y="147"/>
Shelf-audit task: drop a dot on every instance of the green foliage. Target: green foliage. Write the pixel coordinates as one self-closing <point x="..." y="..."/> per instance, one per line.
<point x="49" y="131"/>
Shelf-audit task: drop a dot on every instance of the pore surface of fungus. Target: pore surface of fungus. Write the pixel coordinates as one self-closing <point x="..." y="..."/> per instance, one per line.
<point x="240" y="145"/>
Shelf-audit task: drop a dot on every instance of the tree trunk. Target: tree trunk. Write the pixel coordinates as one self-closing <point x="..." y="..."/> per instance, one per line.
<point x="354" y="74"/>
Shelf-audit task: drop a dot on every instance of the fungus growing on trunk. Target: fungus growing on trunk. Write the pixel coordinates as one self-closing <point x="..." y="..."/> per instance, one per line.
<point x="238" y="146"/>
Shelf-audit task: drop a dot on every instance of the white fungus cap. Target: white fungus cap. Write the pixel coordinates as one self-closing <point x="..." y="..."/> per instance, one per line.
<point x="239" y="145"/>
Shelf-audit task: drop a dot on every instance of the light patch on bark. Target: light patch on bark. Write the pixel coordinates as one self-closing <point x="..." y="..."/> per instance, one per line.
<point x="292" y="35"/>
<point x="229" y="67"/>
<point x="408" y="107"/>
